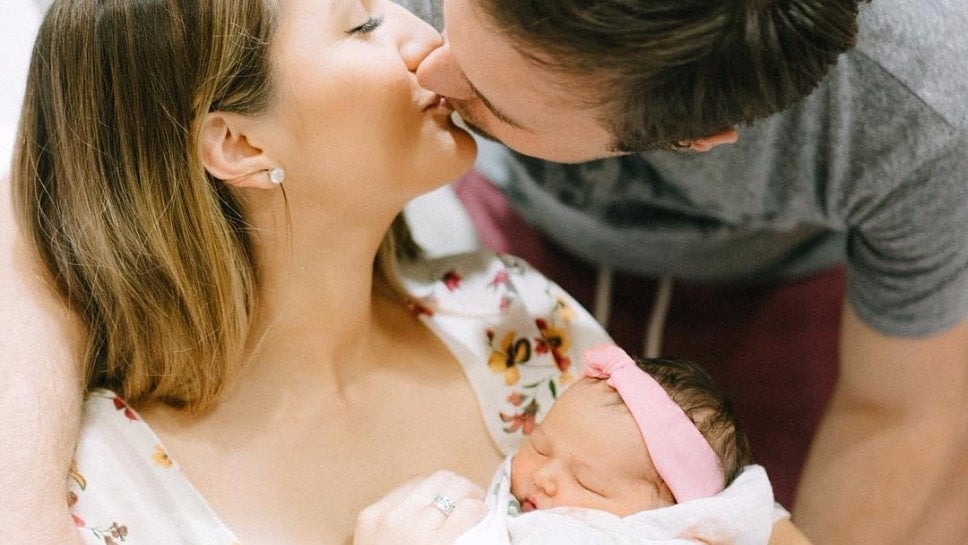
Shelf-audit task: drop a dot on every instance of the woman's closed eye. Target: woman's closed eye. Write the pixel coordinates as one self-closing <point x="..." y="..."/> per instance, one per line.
<point x="370" y="25"/>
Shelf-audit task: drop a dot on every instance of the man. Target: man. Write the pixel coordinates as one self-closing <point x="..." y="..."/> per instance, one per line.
<point x="865" y="164"/>
<point x="888" y="456"/>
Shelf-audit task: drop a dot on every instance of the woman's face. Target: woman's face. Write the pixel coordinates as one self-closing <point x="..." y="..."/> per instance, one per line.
<point x="346" y="107"/>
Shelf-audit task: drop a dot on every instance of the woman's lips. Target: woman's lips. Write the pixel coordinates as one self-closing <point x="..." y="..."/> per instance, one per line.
<point x="439" y="104"/>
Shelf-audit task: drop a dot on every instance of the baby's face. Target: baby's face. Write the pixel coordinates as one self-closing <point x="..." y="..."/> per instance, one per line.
<point x="588" y="453"/>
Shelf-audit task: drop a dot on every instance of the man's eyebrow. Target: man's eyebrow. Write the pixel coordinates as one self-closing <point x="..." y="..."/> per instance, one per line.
<point x="497" y="113"/>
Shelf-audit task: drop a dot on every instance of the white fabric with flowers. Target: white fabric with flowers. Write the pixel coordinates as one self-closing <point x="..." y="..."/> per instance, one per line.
<point x="518" y="335"/>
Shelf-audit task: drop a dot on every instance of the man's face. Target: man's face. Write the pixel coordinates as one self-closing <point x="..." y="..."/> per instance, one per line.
<point x="503" y="94"/>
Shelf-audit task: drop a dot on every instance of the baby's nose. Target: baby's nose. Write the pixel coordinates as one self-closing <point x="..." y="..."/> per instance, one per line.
<point x="546" y="479"/>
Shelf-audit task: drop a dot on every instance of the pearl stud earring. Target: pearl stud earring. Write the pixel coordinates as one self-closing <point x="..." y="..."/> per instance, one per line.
<point x="277" y="175"/>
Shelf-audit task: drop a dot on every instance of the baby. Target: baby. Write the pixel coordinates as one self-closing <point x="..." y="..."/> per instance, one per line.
<point x="625" y="440"/>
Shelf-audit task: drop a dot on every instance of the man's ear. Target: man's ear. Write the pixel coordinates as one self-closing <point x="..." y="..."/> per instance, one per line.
<point x="228" y="154"/>
<point x="728" y="136"/>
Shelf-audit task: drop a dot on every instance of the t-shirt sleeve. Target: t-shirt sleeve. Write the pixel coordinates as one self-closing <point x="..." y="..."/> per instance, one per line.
<point x="907" y="253"/>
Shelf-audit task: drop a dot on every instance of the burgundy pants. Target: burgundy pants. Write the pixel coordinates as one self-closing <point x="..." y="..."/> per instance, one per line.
<point x="773" y="348"/>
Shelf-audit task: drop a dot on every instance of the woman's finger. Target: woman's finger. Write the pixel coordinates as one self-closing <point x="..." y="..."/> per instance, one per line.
<point x="434" y="509"/>
<point x="469" y="512"/>
<point x="446" y="483"/>
<point x="444" y="490"/>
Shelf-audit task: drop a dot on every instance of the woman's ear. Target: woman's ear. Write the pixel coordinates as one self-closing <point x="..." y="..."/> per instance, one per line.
<point x="228" y="154"/>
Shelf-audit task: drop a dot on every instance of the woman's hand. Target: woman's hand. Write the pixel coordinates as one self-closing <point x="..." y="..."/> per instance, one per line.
<point x="407" y="516"/>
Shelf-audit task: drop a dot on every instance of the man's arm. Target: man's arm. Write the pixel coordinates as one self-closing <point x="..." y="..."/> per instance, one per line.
<point x="888" y="464"/>
<point x="785" y="533"/>
<point x="40" y="394"/>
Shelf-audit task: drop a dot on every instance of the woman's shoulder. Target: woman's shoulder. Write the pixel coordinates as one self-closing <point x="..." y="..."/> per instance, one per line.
<point x="124" y="486"/>
<point x="491" y="296"/>
<point x="473" y="267"/>
<point x="517" y="334"/>
<point x="479" y="283"/>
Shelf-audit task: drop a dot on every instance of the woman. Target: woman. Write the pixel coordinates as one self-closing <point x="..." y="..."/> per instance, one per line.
<point x="212" y="186"/>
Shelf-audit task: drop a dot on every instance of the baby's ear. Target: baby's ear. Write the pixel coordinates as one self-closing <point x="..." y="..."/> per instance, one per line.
<point x="228" y="154"/>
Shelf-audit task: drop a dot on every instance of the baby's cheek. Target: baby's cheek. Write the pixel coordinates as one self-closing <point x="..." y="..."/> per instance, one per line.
<point x="519" y="472"/>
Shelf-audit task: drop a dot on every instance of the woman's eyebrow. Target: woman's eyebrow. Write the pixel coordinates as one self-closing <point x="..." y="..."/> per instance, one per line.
<point x="336" y="5"/>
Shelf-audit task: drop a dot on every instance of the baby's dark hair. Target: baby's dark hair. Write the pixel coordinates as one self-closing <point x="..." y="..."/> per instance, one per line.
<point x="693" y="389"/>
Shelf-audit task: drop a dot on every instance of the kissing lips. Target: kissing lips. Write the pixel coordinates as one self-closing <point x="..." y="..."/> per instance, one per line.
<point x="438" y="103"/>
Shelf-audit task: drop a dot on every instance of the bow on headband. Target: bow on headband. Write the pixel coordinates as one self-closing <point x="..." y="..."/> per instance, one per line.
<point x="681" y="454"/>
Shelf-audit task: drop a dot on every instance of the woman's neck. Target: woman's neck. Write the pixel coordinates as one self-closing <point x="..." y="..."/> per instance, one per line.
<point x="316" y="308"/>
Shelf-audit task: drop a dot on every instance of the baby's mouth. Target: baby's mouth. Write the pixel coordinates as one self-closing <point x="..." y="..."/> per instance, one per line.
<point x="527" y="505"/>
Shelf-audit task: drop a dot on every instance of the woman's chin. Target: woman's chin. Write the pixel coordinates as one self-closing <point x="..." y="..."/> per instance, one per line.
<point x="464" y="144"/>
<point x="461" y="152"/>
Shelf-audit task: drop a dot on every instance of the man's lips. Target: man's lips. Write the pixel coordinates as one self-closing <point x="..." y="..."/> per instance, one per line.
<point x="468" y="120"/>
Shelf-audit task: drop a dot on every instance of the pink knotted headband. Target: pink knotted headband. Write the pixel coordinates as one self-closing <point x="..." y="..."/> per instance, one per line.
<point x="681" y="454"/>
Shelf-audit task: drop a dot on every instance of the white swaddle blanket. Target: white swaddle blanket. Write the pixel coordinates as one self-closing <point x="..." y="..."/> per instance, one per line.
<point x="742" y="514"/>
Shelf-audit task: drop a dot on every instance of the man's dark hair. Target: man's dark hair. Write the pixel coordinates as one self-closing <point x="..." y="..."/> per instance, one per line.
<point x="693" y="389"/>
<point x="665" y="71"/>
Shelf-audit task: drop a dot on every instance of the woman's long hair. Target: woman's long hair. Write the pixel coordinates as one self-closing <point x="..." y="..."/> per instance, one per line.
<point x="109" y="188"/>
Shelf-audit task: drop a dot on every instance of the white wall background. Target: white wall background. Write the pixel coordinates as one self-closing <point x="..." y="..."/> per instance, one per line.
<point x="19" y="20"/>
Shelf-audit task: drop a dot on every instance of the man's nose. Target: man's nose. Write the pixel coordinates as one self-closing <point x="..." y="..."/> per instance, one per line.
<point x="440" y="73"/>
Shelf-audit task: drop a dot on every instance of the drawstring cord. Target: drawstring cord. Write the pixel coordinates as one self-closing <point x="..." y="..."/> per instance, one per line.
<point x="654" y="329"/>
<point x="602" y="310"/>
<point x="652" y="346"/>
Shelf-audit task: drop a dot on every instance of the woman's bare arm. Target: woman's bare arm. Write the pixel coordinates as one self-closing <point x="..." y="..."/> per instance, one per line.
<point x="40" y="395"/>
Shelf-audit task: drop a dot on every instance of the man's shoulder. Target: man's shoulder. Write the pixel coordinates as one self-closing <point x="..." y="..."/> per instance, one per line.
<point x="922" y="46"/>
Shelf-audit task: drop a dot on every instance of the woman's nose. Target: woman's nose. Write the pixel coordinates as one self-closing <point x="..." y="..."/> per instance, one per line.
<point x="440" y="73"/>
<point x="416" y="38"/>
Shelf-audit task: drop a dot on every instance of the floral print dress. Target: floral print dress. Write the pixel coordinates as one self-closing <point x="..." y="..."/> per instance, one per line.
<point x="518" y="336"/>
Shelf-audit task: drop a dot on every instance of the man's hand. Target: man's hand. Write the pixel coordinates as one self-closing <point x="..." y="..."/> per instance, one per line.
<point x="40" y="395"/>
<point x="888" y="464"/>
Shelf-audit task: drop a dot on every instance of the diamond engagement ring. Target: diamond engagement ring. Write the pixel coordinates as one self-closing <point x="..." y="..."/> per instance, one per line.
<point x="444" y="504"/>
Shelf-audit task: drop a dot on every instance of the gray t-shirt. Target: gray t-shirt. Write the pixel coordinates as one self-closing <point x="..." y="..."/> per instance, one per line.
<point x="871" y="169"/>
<point x="428" y="10"/>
